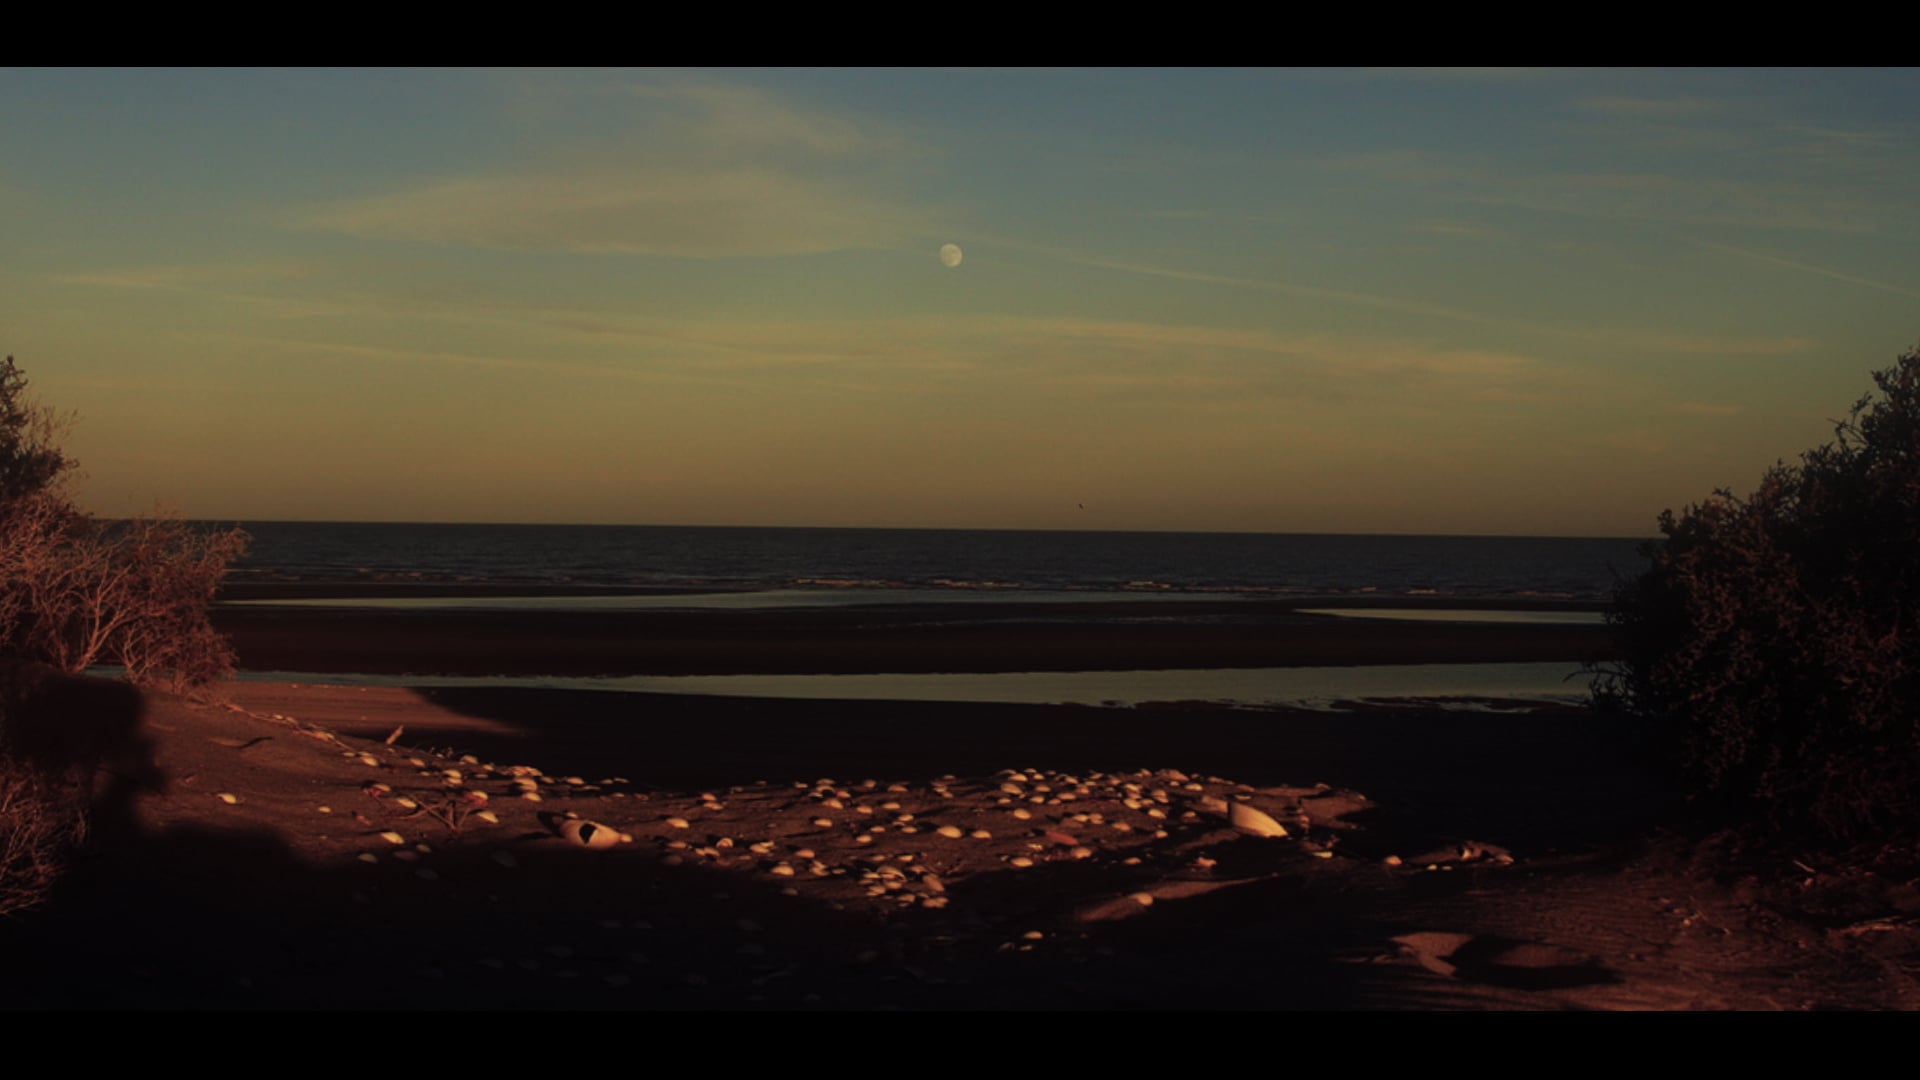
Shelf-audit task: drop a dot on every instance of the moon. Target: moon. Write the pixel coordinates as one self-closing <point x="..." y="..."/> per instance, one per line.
<point x="951" y="254"/>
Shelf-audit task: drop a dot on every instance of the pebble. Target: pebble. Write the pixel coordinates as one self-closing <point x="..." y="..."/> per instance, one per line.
<point x="951" y="832"/>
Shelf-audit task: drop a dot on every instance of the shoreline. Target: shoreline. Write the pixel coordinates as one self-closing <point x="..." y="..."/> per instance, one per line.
<point x="977" y="637"/>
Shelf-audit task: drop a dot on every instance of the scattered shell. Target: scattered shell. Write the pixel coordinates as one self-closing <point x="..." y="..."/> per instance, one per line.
<point x="951" y="832"/>
<point x="489" y="817"/>
<point x="324" y="809"/>
<point x="392" y="837"/>
<point x="505" y="858"/>
<point x="367" y="856"/>
<point x="824" y="823"/>
<point x="677" y="823"/>
<point x="590" y="833"/>
<point x="1256" y="822"/>
<point x="228" y="798"/>
<point x="1020" y="862"/>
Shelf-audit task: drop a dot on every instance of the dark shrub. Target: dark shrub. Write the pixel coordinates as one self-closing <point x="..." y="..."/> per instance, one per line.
<point x="1773" y="645"/>
<point x="76" y="591"/>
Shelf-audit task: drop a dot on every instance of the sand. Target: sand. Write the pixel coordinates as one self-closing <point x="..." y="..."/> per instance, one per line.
<point x="313" y="847"/>
<point x="978" y="636"/>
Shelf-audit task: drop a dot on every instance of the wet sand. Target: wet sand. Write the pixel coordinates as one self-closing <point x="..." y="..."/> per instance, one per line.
<point x="972" y="637"/>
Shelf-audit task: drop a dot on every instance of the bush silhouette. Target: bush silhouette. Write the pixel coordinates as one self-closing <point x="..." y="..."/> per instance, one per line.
<point x="76" y="591"/>
<point x="1773" y="645"/>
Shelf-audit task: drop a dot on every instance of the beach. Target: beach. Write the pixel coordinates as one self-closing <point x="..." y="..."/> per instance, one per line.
<point x="324" y="846"/>
<point x="981" y="636"/>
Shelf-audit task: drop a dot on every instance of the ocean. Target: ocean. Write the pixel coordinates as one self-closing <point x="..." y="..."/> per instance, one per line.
<point x="588" y="567"/>
<point x="1004" y="563"/>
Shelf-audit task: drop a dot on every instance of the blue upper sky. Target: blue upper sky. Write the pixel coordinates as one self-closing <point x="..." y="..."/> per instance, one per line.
<point x="1399" y="301"/>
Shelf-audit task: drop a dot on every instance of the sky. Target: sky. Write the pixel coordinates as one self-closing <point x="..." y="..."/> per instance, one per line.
<point x="1532" y="302"/>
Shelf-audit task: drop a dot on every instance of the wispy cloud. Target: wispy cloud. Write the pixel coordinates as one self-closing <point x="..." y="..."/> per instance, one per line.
<point x="710" y="171"/>
<point x="645" y="211"/>
<point x="1707" y="345"/>
<point x="1706" y="408"/>
<point x="1775" y="260"/>
<point x="1456" y="229"/>
<point x="1639" y="340"/>
<point x="1647" y="107"/>
<point x="175" y="277"/>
